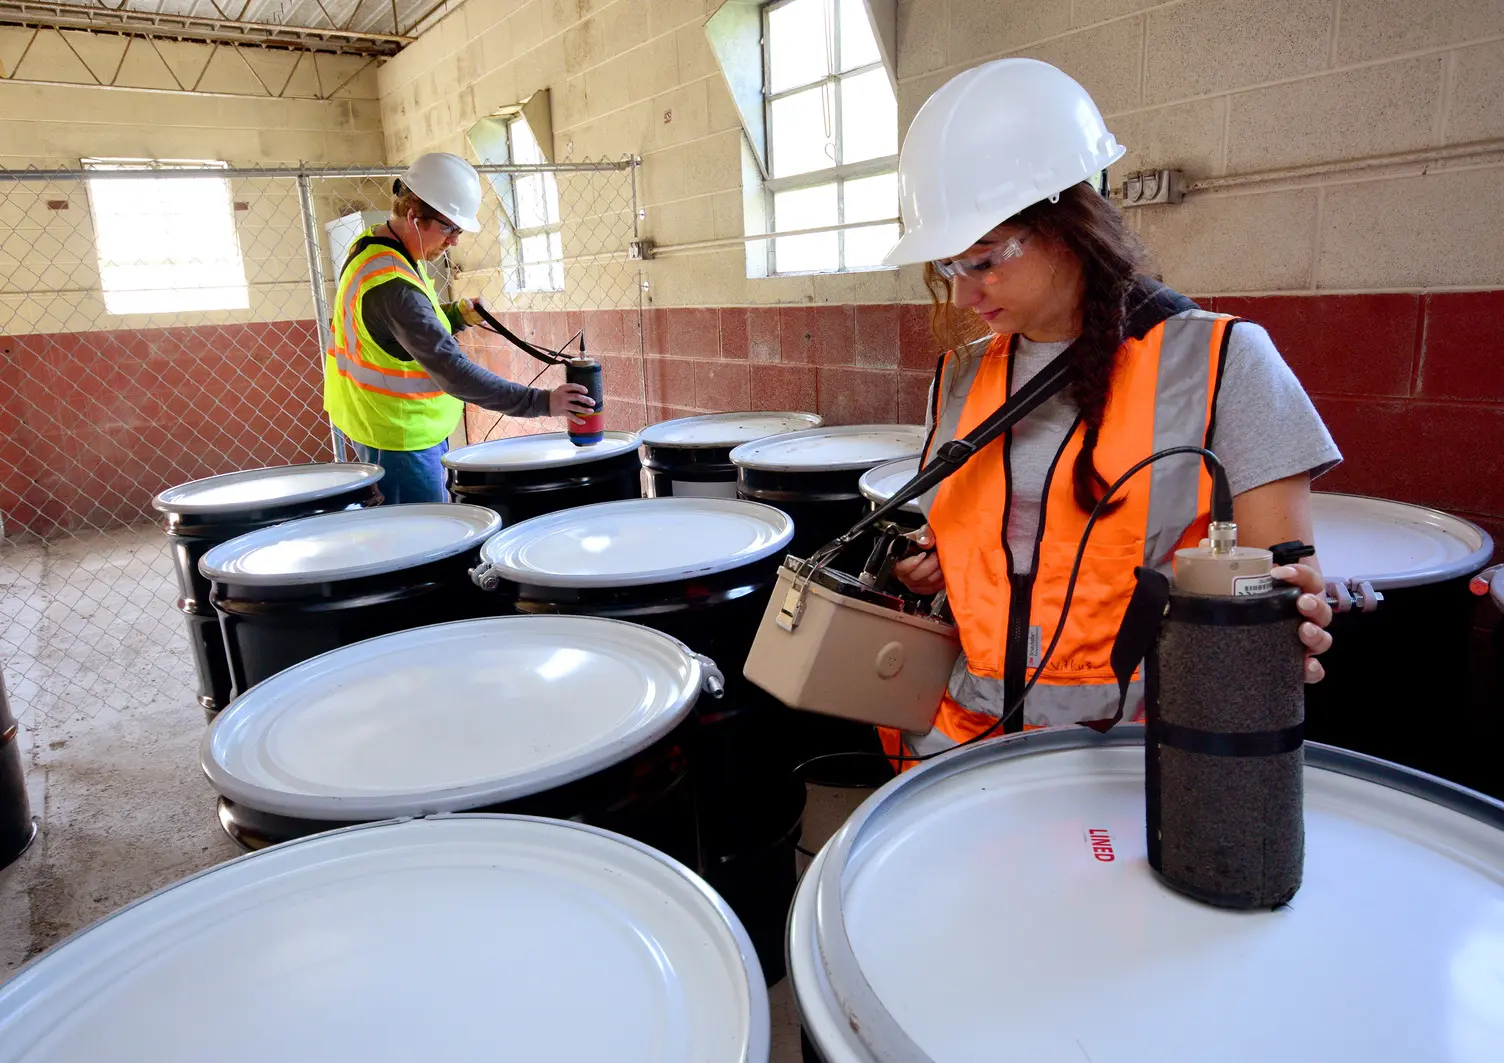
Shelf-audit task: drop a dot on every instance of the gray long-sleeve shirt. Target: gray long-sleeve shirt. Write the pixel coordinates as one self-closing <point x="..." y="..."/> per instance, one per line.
<point x="401" y="319"/>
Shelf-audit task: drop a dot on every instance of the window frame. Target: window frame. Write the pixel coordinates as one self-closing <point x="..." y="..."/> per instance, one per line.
<point x="838" y="173"/>
<point x="146" y="168"/>
<point x="515" y="278"/>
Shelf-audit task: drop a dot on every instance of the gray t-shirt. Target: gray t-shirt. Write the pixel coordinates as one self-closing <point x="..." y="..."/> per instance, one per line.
<point x="401" y="319"/>
<point x="1266" y="428"/>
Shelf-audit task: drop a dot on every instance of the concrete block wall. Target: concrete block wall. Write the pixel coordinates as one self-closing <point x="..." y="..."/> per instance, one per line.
<point x="1218" y="88"/>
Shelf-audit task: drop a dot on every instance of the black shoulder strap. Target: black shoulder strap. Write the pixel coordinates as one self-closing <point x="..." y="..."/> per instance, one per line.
<point x="1150" y="303"/>
<point x="952" y="455"/>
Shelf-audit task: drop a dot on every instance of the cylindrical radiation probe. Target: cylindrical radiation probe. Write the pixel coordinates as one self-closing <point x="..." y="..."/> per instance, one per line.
<point x="587" y="371"/>
<point x="1225" y="712"/>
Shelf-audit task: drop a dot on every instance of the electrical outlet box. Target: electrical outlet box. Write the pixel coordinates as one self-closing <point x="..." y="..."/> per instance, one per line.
<point x="1153" y="187"/>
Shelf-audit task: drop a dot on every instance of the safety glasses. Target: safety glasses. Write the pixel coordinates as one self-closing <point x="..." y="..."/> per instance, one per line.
<point x="445" y="226"/>
<point x="978" y="268"/>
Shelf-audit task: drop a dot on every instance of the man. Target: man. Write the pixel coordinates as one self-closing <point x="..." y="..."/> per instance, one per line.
<point x="395" y="381"/>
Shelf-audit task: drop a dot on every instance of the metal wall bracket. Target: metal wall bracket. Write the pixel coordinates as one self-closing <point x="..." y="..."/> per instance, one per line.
<point x="1153" y="187"/>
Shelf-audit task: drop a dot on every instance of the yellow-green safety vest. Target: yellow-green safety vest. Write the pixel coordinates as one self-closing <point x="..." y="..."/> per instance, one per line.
<point x="374" y="397"/>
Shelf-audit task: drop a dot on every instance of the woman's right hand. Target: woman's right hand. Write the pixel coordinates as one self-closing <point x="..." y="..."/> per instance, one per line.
<point x="921" y="573"/>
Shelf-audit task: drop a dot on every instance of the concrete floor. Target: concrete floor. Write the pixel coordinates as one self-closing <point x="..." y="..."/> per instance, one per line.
<point x="96" y="663"/>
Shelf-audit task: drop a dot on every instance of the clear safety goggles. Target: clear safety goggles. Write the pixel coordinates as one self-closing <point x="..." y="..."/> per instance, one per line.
<point x="978" y="268"/>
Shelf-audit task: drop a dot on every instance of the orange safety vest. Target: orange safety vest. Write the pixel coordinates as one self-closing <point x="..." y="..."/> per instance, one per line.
<point x="1163" y="394"/>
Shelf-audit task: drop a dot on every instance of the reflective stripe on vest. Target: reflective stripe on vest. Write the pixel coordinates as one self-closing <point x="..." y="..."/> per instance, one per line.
<point x="1162" y="395"/>
<point x="373" y="396"/>
<point x="387" y="380"/>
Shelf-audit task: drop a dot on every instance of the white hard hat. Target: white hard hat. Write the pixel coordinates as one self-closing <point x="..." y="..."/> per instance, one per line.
<point x="991" y="141"/>
<point x="449" y="185"/>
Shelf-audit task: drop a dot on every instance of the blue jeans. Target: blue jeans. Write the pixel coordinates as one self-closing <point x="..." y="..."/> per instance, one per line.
<point x="411" y="475"/>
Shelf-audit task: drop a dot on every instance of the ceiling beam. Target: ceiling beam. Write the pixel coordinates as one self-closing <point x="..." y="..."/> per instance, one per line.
<point x="54" y="14"/>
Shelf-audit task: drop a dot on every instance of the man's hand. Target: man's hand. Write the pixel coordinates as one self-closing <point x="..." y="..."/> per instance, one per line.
<point x="467" y="311"/>
<point x="568" y="400"/>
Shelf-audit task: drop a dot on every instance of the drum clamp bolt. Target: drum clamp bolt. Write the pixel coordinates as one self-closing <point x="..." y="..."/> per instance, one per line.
<point x="1346" y="595"/>
<point x="482" y="576"/>
<point x="713" y="680"/>
<point x="1483" y="581"/>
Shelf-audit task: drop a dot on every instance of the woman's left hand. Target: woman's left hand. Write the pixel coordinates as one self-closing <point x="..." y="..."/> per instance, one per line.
<point x="1318" y="614"/>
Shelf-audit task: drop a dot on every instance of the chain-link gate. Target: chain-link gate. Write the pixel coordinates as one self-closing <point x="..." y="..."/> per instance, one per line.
<point x="164" y="323"/>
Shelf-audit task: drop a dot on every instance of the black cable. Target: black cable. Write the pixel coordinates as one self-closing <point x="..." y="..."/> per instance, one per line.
<point x="486" y="438"/>
<point x="1220" y="492"/>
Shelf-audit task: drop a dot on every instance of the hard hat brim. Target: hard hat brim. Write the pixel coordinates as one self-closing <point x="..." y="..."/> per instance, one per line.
<point x="920" y="246"/>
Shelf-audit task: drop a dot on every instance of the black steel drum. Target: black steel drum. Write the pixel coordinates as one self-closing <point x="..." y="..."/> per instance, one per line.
<point x="701" y="570"/>
<point x="563" y="716"/>
<point x="204" y="513"/>
<point x="882" y="482"/>
<point x="692" y="455"/>
<point x="815" y="476"/>
<point x="291" y="592"/>
<point x="1398" y="679"/>
<point x="527" y="476"/>
<point x="16" y="826"/>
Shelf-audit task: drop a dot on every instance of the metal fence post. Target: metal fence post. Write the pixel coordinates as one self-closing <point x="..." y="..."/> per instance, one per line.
<point x="316" y="281"/>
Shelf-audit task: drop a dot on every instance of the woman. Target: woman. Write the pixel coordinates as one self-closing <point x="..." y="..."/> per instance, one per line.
<point x="996" y="179"/>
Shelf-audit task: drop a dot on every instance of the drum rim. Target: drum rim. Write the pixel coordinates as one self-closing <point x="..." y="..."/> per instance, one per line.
<point x="758" y="1015"/>
<point x="335" y="809"/>
<point x="619" y="443"/>
<point x="164" y="502"/>
<point x="1496" y="589"/>
<point x="1461" y="568"/>
<point x="749" y="460"/>
<point x="650" y="433"/>
<point x="879" y="1034"/>
<point x="212" y="565"/>
<point x="775" y="517"/>
<point x="869" y="492"/>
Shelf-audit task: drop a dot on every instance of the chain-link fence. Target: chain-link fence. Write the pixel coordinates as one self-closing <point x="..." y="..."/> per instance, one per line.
<point x="163" y="323"/>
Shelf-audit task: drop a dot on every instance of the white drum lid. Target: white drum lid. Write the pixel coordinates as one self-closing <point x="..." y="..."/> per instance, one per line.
<point x="457" y="938"/>
<point x="834" y="449"/>
<point x="1393" y="544"/>
<point x="726" y="429"/>
<point x="280" y="485"/>
<point x="980" y="914"/>
<point x="882" y="482"/>
<point x="350" y="544"/>
<point x="1496" y="588"/>
<point x="637" y="542"/>
<point x="546" y="451"/>
<point x="450" y="717"/>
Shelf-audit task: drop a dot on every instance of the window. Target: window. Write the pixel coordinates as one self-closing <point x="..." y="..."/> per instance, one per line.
<point x="530" y="202"/>
<point x="166" y="244"/>
<point x="832" y="123"/>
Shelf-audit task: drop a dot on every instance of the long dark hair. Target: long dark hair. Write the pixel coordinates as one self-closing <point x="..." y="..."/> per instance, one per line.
<point x="1088" y="225"/>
